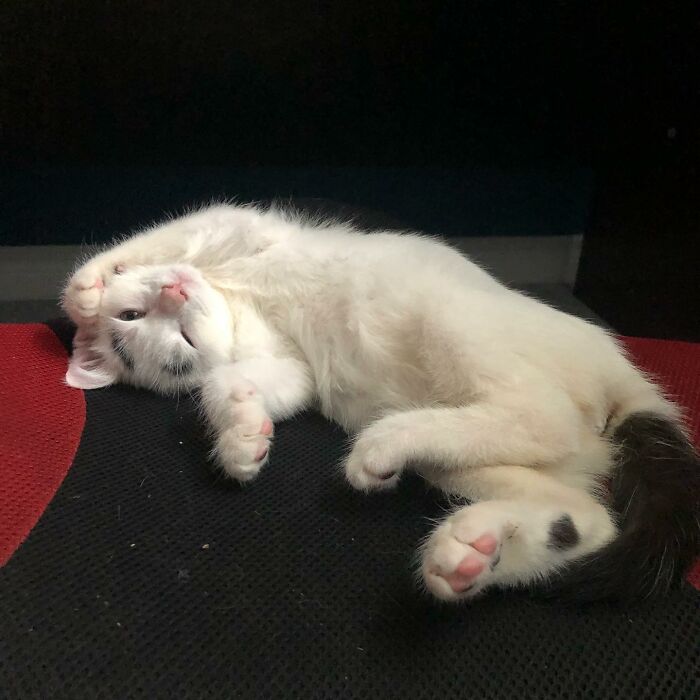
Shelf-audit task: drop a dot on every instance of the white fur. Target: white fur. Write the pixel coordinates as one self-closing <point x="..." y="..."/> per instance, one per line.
<point x="398" y="338"/>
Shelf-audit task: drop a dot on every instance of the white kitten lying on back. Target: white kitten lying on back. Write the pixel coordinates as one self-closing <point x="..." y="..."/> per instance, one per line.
<point x="433" y="363"/>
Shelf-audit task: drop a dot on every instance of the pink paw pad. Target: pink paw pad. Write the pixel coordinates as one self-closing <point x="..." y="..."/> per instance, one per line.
<point x="465" y="573"/>
<point x="267" y="427"/>
<point x="262" y="453"/>
<point x="486" y="544"/>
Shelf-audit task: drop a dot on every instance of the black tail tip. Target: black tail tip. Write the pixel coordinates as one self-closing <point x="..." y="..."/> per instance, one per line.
<point x="656" y="494"/>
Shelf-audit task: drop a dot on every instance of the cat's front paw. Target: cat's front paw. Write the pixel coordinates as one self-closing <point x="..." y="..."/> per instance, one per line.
<point x="373" y="464"/>
<point x="242" y="449"/>
<point x="83" y="294"/>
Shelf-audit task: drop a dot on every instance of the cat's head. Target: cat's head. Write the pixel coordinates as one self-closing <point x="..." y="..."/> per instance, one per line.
<point x="159" y="327"/>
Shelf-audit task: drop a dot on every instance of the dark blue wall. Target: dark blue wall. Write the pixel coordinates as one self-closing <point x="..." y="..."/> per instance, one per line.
<point x="91" y="204"/>
<point x="458" y="116"/>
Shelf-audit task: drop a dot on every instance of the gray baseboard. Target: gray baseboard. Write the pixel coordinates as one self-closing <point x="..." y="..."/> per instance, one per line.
<point x="522" y="260"/>
<point x="39" y="272"/>
<point x="35" y="272"/>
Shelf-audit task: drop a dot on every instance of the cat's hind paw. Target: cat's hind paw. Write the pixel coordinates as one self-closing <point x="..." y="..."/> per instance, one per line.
<point x="461" y="557"/>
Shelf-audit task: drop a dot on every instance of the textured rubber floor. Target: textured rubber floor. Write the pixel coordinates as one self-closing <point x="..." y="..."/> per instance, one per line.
<point x="148" y="577"/>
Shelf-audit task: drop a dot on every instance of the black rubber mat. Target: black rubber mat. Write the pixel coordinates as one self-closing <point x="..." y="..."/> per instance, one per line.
<point x="150" y="577"/>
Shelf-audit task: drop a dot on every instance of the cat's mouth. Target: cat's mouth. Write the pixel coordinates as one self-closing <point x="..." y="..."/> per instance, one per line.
<point x="187" y="338"/>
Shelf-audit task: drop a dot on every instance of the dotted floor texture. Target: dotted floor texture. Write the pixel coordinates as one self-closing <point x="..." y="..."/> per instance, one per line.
<point x="42" y="423"/>
<point x="150" y="577"/>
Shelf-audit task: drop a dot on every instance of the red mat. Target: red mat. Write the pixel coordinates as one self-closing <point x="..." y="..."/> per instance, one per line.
<point x="43" y="419"/>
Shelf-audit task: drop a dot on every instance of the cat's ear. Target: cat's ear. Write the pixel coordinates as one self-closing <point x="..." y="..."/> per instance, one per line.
<point x="87" y="368"/>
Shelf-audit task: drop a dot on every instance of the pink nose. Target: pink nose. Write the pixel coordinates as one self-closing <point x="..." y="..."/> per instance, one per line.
<point x="172" y="297"/>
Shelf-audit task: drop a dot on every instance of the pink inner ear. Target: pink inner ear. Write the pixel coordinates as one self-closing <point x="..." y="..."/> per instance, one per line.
<point x="81" y="378"/>
<point x="87" y="369"/>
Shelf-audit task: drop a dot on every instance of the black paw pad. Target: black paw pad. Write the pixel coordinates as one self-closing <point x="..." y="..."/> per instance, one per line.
<point x="563" y="533"/>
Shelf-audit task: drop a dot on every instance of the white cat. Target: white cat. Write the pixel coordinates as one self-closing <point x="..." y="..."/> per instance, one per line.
<point x="432" y="363"/>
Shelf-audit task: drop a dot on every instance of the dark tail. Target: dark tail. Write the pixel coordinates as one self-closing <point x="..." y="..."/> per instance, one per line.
<point x="656" y="495"/>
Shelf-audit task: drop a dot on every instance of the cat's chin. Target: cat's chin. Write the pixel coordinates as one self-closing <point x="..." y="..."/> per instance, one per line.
<point x="168" y="387"/>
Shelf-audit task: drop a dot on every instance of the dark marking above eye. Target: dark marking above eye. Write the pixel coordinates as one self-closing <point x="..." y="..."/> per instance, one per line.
<point x="120" y="350"/>
<point x="563" y="533"/>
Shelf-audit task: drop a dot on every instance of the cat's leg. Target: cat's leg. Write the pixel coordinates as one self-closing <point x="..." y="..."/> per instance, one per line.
<point x="514" y="430"/>
<point x="200" y="238"/>
<point x="523" y="527"/>
<point x="83" y="293"/>
<point x="241" y="400"/>
<point x="285" y="384"/>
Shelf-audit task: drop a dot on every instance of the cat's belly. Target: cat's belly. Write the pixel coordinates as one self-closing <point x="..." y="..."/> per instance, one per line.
<point x="365" y="363"/>
<point x="350" y="413"/>
<point x="353" y="392"/>
<point x="354" y="410"/>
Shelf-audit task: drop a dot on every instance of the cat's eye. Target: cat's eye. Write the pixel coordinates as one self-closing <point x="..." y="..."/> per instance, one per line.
<point x="131" y="315"/>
